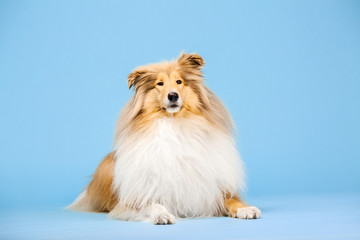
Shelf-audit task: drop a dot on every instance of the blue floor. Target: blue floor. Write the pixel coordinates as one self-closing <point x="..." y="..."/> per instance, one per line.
<point x="305" y="217"/>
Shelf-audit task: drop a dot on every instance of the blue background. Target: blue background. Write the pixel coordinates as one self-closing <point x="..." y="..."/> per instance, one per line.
<point x="288" y="71"/>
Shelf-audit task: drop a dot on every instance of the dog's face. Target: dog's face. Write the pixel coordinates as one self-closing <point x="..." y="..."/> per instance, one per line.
<point x="169" y="87"/>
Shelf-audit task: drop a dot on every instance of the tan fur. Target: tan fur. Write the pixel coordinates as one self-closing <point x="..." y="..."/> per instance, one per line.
<point x="232" y="204"/>
<point x="100" y="190"/>
<point x="146" y="105"/>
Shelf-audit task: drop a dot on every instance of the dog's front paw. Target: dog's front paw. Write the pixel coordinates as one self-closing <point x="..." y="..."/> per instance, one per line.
<point x="248" y="213"/>
<point x="161" y="216"/>
<point x="163" y="219"/>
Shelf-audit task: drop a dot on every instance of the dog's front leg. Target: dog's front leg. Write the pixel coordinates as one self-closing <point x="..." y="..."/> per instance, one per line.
<point x="237" y="208"/>
<point x="154" y="213"/>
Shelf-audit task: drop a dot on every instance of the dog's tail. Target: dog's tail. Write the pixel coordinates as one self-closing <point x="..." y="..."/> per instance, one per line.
<point x="82" y="203"/>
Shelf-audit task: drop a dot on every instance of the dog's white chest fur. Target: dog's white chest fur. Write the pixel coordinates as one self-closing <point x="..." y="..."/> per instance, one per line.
<point x="180" y="163"/>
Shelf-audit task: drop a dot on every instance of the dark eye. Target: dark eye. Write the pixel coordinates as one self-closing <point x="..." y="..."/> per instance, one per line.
<point x="178" y="81"/>
<point x="160" y="83"/>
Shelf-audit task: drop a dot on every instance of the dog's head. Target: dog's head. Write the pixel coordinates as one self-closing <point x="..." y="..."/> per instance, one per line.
<point x="170" y="87"/>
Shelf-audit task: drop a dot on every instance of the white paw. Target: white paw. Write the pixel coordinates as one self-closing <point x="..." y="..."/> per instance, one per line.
<point x="163" y="219"/>
<point x="248" y="213"/>
<point x="160" y="216"/>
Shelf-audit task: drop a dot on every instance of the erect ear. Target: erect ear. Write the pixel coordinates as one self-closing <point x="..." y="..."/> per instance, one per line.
<point x="191" y="60"/>
<point x="133" y="77"/>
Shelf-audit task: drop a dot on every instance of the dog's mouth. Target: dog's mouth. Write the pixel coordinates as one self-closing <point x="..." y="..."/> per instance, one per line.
<point x="173" y="108"/>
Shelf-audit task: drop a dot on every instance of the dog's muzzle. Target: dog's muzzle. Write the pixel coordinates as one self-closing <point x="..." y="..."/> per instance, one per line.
<point x="173" y="102"/>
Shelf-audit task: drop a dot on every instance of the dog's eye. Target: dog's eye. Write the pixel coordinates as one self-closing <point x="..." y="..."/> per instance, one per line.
<point x="178" y="81"/>
<point x="160" y="83"/>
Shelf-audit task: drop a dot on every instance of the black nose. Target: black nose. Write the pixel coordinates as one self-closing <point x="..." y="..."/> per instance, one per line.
<point x="173" y="96"/>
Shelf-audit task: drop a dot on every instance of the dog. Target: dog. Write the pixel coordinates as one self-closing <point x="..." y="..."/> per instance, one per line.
<point x="173" y="156"/>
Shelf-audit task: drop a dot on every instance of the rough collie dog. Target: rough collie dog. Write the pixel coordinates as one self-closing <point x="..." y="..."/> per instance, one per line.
<point x="174" y="155"/>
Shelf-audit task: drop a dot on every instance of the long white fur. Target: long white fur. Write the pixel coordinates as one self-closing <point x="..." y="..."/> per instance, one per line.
<point x="175" y="166"/>
<point x="184" y="164"/>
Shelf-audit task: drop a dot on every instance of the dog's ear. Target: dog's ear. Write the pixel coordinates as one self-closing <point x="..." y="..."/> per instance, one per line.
<point x="191" y="60"/>
<point x="134" y="77"/>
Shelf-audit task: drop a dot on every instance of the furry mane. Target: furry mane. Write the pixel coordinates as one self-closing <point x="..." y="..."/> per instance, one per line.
<point x="189" y="65"/>
<point x="173" y="155"/>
